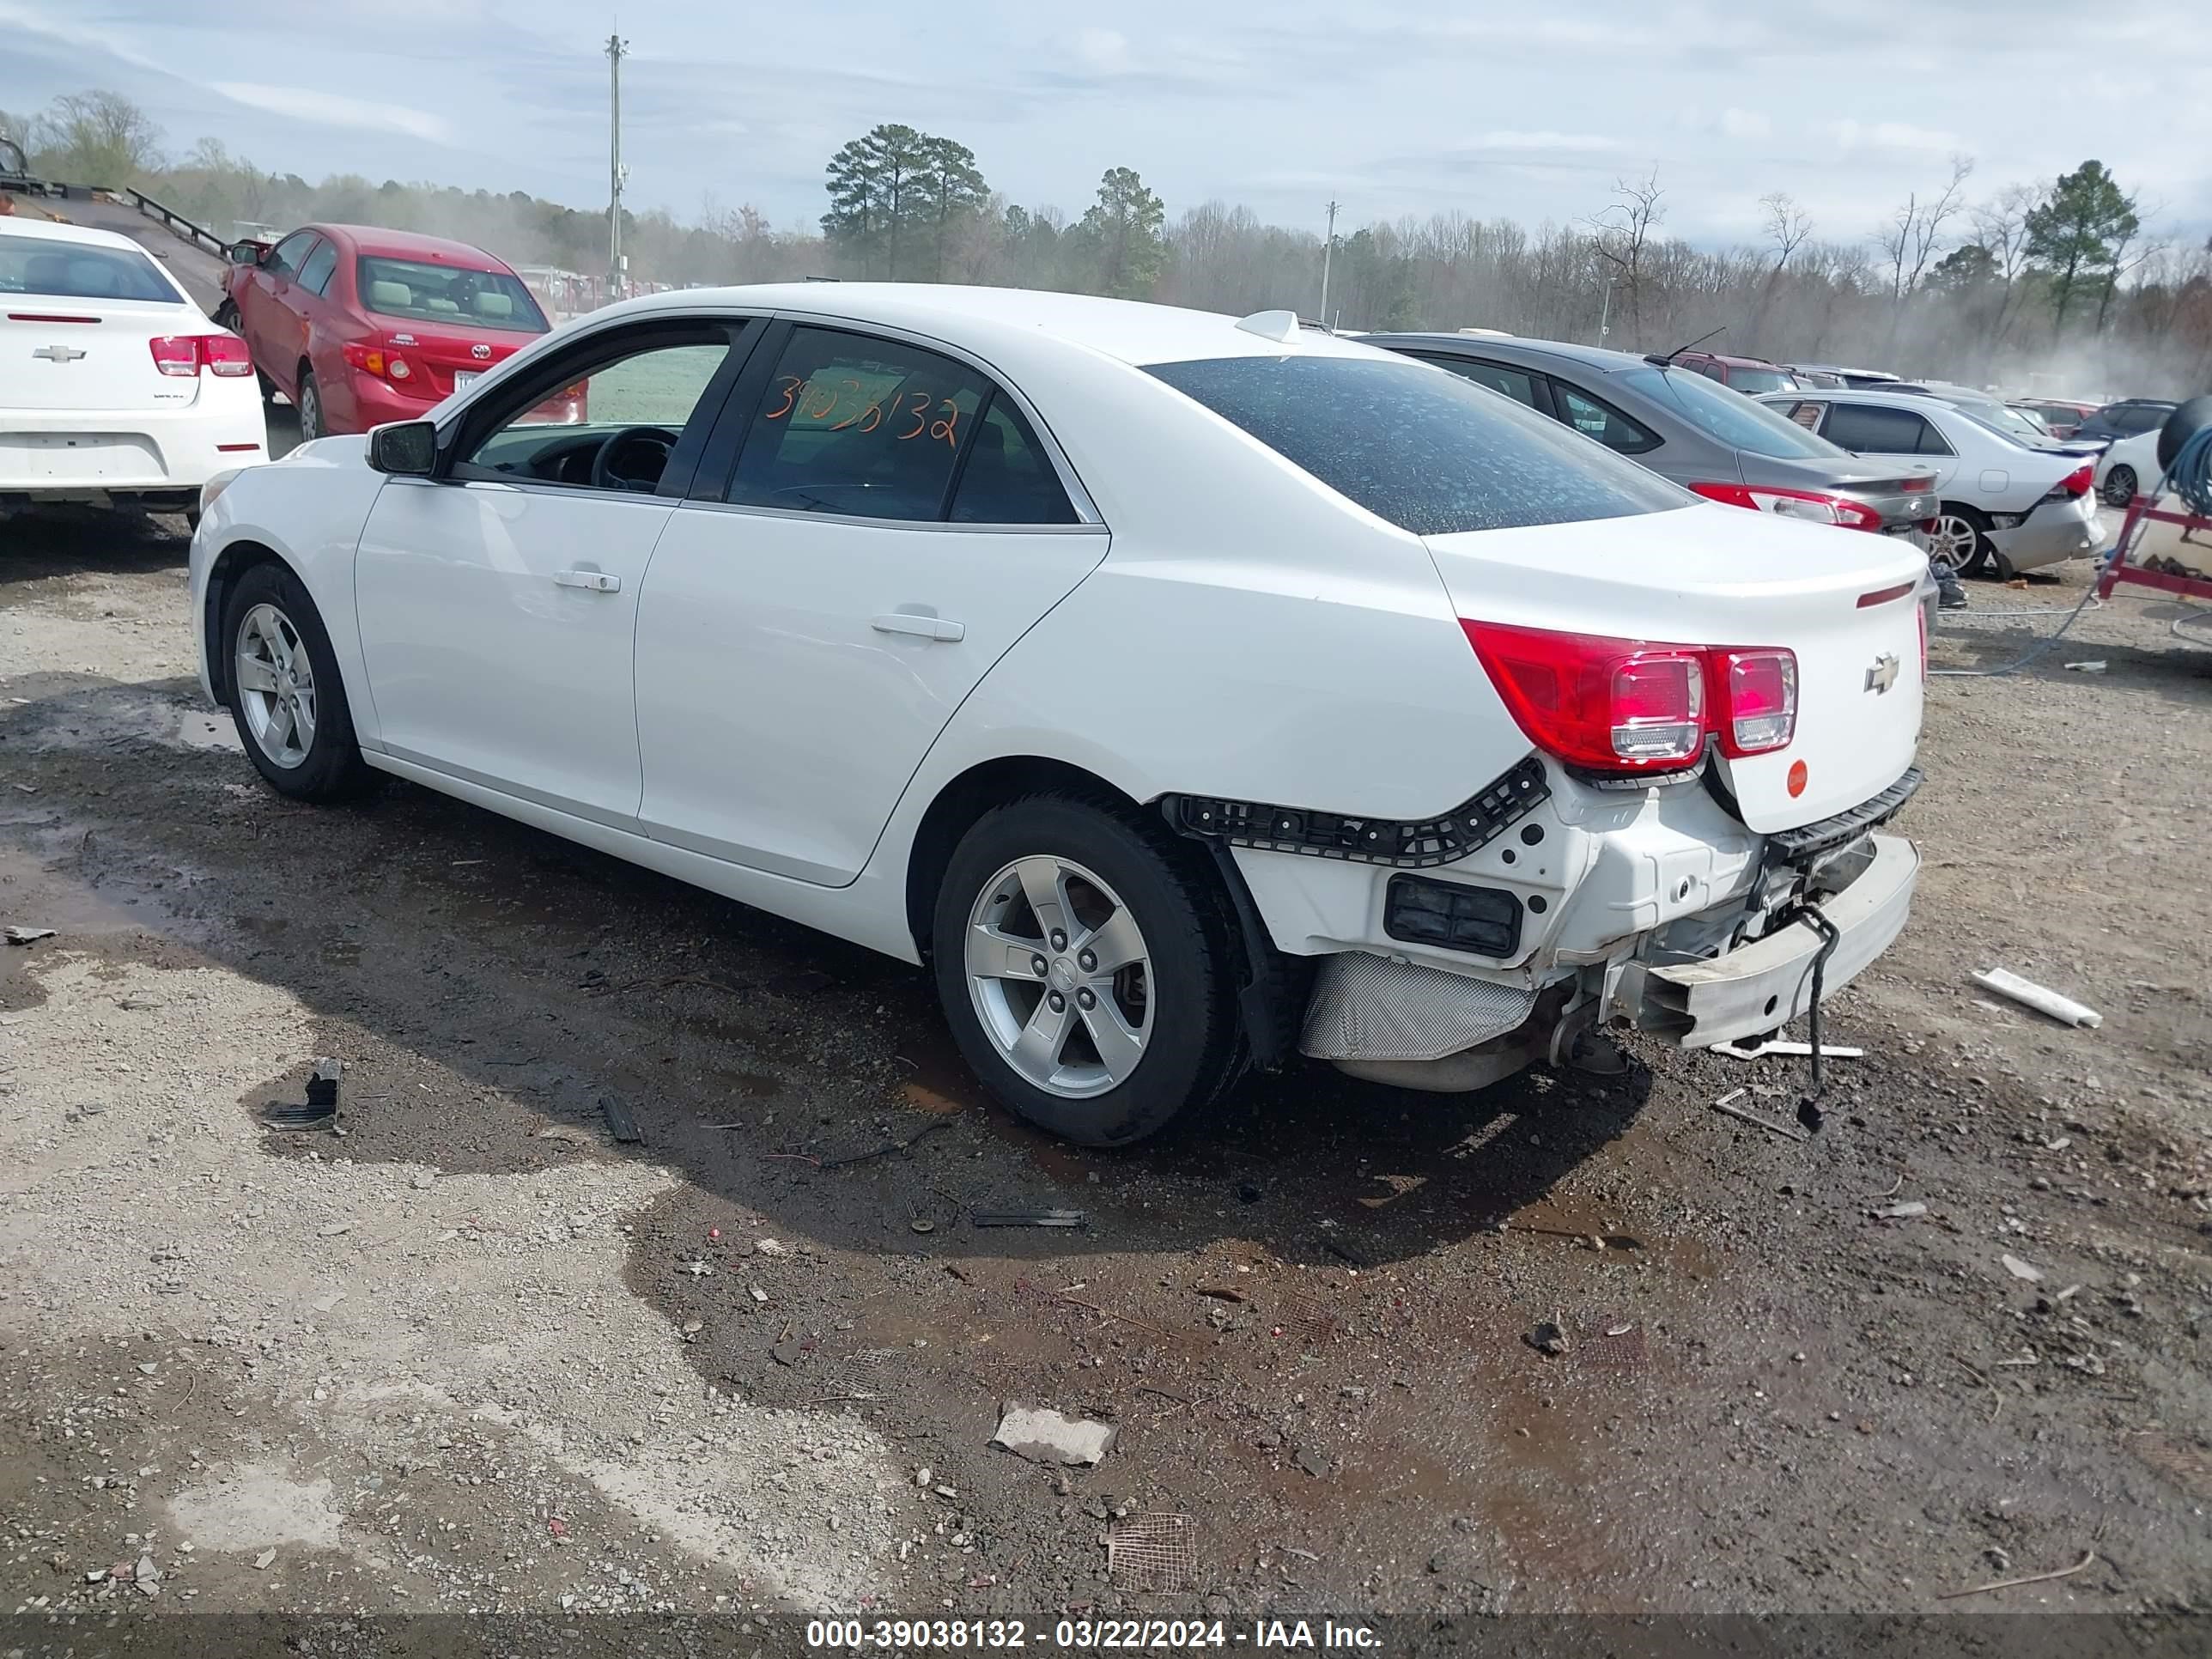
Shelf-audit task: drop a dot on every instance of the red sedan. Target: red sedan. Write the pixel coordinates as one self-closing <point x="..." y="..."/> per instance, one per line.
<point x="357" y="326"/>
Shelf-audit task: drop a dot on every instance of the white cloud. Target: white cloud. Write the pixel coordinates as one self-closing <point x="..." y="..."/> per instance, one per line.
<point x="1106" y="51"/>
<point x="330" y="109"/>
<point x="1745" y="123"/>
<point x="1515" y="139"/>
<point x="1893" y="135"/>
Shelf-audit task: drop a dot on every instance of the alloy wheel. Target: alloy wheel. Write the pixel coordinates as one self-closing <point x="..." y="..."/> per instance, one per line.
<point x="276" y="686"/>
<point x="2119" y="486"/>
<point x="1956" y="542"/>
<point x="1060" y="976"/>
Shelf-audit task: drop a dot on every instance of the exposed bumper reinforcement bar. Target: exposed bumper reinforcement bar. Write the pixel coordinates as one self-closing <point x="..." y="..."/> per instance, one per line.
<point x="1757" y="987"/>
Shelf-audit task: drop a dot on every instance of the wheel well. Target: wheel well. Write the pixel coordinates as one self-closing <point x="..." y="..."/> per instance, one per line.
<point x="965" y="799"/>
<point x="1967" y="510"/>
<point x="229" y="567"/>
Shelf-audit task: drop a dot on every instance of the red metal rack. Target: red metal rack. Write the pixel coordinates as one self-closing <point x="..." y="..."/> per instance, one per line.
<point x="2142" y="511"/>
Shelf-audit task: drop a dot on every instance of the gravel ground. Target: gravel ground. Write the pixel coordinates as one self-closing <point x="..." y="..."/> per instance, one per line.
<point x="473" y="1353"/>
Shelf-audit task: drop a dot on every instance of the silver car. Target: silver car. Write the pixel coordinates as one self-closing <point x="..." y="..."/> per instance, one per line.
<point x="1683" y="426"/>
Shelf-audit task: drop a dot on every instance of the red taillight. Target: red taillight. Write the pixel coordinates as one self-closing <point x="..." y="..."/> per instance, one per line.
<point x="1758" y="705"/>
<point x="1809" y="505"/>
<point x="1918" y="486"/>
<point x="2077" y="482"/>
<point x="385" y="364"/>
<point x="1884" y="595"/>
<point x="182" y="356"/>
<point x="1630" y="706"/>
<point x="1920" y="619"/>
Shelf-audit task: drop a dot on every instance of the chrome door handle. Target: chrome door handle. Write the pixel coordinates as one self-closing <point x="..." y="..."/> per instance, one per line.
<point x="927" y="628"/>
<point x="597" y="581"/>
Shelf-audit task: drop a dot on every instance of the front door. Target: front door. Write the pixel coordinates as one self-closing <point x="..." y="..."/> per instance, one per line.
<point x="498" y="601"/>
<point x="265" y="317"/>
<point x="891" y="527"/>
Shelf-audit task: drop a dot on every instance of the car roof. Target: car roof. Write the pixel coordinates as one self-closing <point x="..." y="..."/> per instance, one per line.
<point x="376" y="241"/>
<point x="85" y="236"/>
<point x="1520" y="347"/>
<point x="1736" y="362"/>
<point x="1134" y="331"/>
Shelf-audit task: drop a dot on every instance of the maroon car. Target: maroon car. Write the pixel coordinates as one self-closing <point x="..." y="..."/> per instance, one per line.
<point x="357" y="326"/>
<point x="1749" y="375"/>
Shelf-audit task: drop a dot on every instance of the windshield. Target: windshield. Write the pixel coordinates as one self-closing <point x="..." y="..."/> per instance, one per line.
<point x="1431" y="452"/>
<point x="76" y="271"/>
<point x="428" y="293"/>
<point x="1753" y="382"/>
<point x="1729" y="416"/>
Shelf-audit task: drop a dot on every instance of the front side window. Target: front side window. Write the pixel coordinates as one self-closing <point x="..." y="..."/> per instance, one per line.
<point x="76" y="271"/>
<point x="1429" y="452"/>
<point x="315" y="275"/>
<point x="1728" y="415"/>
<point x="610" y="422"/>
<point x="860" y="426"/>
<point x="425" y="292"/>
<point x="1594" y="417"/>
<point x="1516" y="384"/>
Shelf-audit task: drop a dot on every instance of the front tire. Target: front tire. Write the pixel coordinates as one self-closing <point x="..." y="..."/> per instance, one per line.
<point x="281" y="680"/>
<point x="2120" y="485"/>
<point x="1082" y="962"/>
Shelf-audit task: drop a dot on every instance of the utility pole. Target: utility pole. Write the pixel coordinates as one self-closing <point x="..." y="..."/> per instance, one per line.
<point x="1326" y="248"/>
<point x="617" y="49"/>
<point x="1605" y="315"/>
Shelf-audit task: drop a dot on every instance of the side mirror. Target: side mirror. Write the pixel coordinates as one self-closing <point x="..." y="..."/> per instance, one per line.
<point x="405" y="449"/>
<point x="248" y="253"/>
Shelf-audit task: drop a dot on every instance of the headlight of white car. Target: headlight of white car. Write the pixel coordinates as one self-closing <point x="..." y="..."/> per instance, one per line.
<point x="215" y="487"/>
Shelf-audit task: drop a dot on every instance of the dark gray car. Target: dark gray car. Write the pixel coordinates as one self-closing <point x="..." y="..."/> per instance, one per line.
<point x="1689" y="429"/>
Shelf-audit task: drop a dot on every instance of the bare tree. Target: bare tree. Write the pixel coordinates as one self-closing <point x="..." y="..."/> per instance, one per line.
<point x="1788" y="225"/>
<point x="1927" y="234"/>
<point x="1624" y="232"/>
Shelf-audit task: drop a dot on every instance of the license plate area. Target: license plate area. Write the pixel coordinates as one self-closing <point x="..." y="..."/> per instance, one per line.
<point x="465" y="378"/>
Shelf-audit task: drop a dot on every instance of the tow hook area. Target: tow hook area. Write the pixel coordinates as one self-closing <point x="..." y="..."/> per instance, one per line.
<point x="1808" y="1108"/>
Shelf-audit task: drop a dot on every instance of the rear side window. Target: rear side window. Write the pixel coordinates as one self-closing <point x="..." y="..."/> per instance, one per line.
<point x="1516" y="383"/>
<point x="315" y="275"/>
<point x="2139" y="417"/>
<point x="1594" y="417"/>
<point x="1429" y="452"/>
<point x="1876" y="429"/>
<point x="76" y="271"/>
<point x="1005" y="477"/>
<point x="856" y="425"/>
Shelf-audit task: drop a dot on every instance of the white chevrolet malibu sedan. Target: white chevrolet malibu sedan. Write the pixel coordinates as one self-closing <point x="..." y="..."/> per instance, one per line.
<point x="1187" y="693"/>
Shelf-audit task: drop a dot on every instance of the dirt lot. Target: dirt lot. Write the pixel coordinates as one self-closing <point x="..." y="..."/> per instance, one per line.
<point x="474" y="1354"/>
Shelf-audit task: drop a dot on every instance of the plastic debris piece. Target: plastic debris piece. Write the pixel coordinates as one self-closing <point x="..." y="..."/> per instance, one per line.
<point x="2026" y="991"/>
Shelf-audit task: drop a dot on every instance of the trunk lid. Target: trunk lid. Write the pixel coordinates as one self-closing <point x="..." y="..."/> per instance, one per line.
<point x="91" y="354"/>
<point x="1843" y="601"/>
<point x="443" y="360"/>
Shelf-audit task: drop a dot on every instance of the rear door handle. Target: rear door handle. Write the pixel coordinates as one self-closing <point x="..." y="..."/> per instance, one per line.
<point x="597" y="581"/>
<point x="922" y="626"/>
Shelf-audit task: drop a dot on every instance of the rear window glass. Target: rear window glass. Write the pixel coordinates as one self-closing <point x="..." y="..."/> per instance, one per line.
<point x="75" y="270"/>
<point x="1753" y="382"/>
<point x="1729" y="416"/>
<point x="428" y="293"/>
<point x="1429" y="451"/>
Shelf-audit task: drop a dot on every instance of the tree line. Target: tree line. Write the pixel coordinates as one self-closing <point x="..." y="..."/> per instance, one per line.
<point x="2063" y="285"/>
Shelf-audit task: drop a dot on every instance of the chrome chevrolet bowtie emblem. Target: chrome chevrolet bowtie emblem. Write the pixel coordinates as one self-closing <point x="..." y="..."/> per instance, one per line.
<point x="59" y="354"/>
<point x="1883" y="675"/>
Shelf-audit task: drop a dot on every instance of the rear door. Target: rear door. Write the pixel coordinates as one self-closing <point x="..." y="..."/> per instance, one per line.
<point x="891" y="523"/>
<point x="1887" y="431"/>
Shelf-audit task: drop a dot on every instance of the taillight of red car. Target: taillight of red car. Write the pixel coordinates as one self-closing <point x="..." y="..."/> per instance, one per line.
<point x="1629" y="705"/>
<point x="1810" y="505"/>
<point x="184" y="356"/>
<point x="381" y="360"/>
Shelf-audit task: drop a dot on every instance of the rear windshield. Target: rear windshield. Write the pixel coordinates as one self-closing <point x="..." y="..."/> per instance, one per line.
<point x="1753" y="382"/>
<point x="73" y="270"/>
<point x="446" y="294"/>
<point x="1730" y="417"/>
<point x="1429" y="451"/>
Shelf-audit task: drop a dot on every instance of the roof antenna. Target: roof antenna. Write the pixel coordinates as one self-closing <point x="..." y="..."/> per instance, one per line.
<point x="1653" y="357"/>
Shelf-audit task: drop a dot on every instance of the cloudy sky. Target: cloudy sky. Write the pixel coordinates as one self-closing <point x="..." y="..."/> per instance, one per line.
<point x="1528" y="111"/>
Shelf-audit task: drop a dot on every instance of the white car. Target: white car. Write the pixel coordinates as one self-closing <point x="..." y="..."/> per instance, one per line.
<point x="2129" y="464"/>
<point x="114" y="386"/>
<point x="1186" y="692"/>
<point x="2005" y="503"/>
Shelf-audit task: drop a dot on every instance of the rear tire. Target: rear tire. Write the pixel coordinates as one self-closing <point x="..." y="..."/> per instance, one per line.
<point x="1104" y="1046"/>
<point x="2120" y="485"/>
<point x="295" y="721"/>
<point x="1961" y="537"/>
<point x="310" y="407"/>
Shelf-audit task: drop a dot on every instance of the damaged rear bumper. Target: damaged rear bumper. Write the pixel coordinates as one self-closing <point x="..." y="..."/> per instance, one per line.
<point x="1756" y="987"/>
